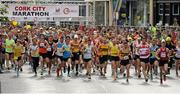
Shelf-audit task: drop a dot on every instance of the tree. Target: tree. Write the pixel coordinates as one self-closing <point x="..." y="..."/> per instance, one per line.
<point x="3" y="11"/>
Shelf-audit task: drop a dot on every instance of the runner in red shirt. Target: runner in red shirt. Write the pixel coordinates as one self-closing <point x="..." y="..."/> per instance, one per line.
<point x="162" y="55"/>
<point x="42" y="51"/>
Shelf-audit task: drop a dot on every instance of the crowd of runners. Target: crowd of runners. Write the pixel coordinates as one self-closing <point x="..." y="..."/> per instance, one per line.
<point x="68" y="50"/>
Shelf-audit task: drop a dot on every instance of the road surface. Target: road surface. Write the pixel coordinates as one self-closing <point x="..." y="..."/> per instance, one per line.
<point x="27" y="83"/>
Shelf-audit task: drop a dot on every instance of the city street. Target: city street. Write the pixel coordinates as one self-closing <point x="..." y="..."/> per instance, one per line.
<point x="26" y="83"/>
<point x="64" y="33"/>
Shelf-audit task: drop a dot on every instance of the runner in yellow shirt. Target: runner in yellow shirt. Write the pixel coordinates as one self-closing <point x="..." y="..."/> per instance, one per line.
<point x="75" y="47"/>
<point x="18" y="49"/>
<point x="103" y="51"/>
<point x="125" y="53"/>
<point x="114" y="57"/>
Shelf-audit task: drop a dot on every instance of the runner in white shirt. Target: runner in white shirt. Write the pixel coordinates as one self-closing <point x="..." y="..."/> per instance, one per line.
<point x="144" y="53"/>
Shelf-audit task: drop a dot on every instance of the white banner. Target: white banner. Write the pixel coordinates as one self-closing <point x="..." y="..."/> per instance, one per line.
<point x="43" y="11"/>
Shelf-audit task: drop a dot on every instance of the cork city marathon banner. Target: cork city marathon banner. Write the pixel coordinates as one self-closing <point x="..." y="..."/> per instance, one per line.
<point x="43" y="11"/>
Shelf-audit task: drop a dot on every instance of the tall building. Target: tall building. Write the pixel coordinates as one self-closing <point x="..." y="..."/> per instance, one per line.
<point x="137" y="12"/>
<point x="167" y="12"/>
<point x="161" y="12"/>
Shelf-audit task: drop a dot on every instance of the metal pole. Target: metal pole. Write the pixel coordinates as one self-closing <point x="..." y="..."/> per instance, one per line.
<point x="151" y="11"/>
<point x="110" y="13"/>
<point x="94" y="13"/>
<point x="87" y="13"/>
<point x="130" y="12"/>
<point x="105" y="13"/>
<point x="145" y="13"/>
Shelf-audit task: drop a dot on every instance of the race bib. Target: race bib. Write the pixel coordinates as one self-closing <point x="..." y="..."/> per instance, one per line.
<point x="59" y="50"/>
<point x="143" y="51"/>
<point x="49" y="49"/>
<point x="33" y="48"/>
<point x="126" y="57"/>
<point x="163" y="54"/>
<point x="42" y="44"/>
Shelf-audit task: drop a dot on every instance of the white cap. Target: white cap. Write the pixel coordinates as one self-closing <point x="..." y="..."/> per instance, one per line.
<point x="75" y="36"/>
<point x="163" y="41"/>
<point x="50" y="27"/>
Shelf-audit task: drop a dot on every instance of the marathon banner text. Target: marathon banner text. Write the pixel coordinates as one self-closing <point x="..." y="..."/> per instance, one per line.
<point x="43" y="11"/>
<point x="25" y="11"/>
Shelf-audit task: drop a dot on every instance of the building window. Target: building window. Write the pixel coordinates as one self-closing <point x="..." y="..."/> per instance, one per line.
<point x="160" y="9"/>
<point x="175" y="9"/>
<point x="82" y="10"/>
<point x="167" y="9"/>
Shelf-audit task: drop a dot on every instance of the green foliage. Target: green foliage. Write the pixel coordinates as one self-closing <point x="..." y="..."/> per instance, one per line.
<point x="3" y="11"/>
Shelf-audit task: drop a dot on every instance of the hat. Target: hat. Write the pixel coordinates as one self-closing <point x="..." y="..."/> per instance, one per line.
<point x="163" y="41"/>
<point x="75" y="36"/>
<point x="50" y="27"/>
<point x="168" y="39"/>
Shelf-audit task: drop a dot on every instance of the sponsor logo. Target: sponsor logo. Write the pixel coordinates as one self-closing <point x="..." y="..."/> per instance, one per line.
<point x="67" y="11"/>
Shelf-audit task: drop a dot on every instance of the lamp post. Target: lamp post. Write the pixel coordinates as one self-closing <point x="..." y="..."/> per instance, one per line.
<point x="145" y="12"/>
<point x="151" y="12"/>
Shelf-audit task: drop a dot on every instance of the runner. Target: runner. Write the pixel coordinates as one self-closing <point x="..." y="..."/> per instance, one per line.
<point x="136" y="45"/>
<point x="9" y="45"/>
<point x="24" y="55"/>
<point x="75" y="47"/>
<point x="55" y="58"/>
<point x="50" y="53"/>
<point x="96" y="42"/>
<point x="103" y="50"/>
<point x="18" y="49"/>
<point x="125" y="53"/>
<point x="153" y="60"/>
<point x="67" y="54"/>
<point x="144" y="52"/>
<point x="34" y="50"/>
<point x="171" y="47"/>
<point x="177" y="57"/>
<point x="87" y="56"/>
<point x="2" y="53"/>
<point x="162" y="55"/>
<point x="59" y="55"/>
<point x="24" y="43"/>
<point x="42" y="51"/>
<point x="114" y="57"/>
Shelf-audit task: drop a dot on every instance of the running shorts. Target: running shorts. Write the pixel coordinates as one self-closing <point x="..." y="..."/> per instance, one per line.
<point x="87" y="60"/>
<point x="44" y="55"/>
<point x="114" y="58"/>
<point x="124" y="62"/>
<point x="162" y="62"/>
<point x="145" y="60"/>
<point x="136" y="57"/>
<point x="75" y="56"/>
<point x="103" y="59"/>
<point x="152" y="60"/>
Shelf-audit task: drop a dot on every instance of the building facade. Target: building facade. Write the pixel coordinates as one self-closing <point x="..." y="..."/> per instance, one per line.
<point x="167" y="12"/>
<point x="137" y="12"/>
<point x="161" y="12"/>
